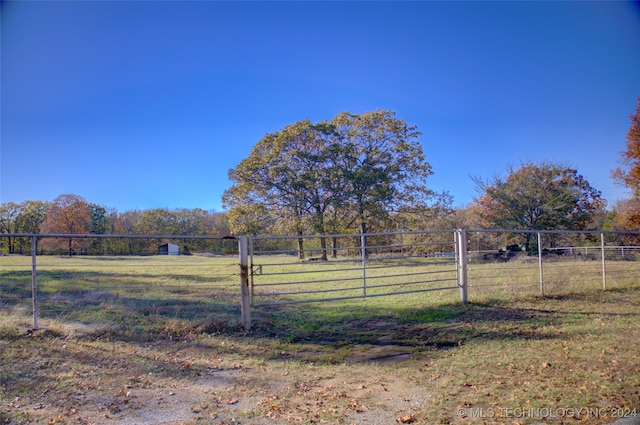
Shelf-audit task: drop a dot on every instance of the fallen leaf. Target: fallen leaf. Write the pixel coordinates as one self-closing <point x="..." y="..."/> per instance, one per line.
<point x="406" y="419"/>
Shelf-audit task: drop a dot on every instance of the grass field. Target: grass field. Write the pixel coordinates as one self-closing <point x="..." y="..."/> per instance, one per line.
<point x="159" y="340"/>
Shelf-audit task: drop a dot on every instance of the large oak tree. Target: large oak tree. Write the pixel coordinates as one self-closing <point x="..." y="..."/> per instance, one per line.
<point x="538" y="197"/>
<point x="290" y="176"/>
<point x="351" y="169"/>
<point x="384" y="166"/>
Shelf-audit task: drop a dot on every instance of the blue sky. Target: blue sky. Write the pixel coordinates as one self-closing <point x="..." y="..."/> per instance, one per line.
<point x="138" y="105"/>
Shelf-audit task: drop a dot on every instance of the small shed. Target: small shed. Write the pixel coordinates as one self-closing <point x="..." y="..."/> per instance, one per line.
<point x="169" y="249"/>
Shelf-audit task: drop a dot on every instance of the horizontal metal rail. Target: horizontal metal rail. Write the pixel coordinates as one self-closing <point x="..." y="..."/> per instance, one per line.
<point x="307" y="282"/>
<point x="109" y="236"/>
<point x="533" y="231"/>
<point x="386" y="276"/>
<point x="294" y="251"/>
<point x="314" y="291"/>
<point x="299" y="271"/>
<point x="312" y="300"/>
<point x="420" y="282"/>
<point x="351" y="235"/>
<point x="389" y="266"/>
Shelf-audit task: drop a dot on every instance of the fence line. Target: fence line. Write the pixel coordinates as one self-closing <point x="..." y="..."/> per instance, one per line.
<point x="36" y="292"/>
<point x="277" y="270"/>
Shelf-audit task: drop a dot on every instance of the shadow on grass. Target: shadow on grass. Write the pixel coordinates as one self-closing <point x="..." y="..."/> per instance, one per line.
<point x="17" y="284"/>
<point x="363" y="333"/>
<point x="331" y="330"/>
<point x="347" y="328"/>
<point x="19" y="277"/>
<point x="144" y="319"/>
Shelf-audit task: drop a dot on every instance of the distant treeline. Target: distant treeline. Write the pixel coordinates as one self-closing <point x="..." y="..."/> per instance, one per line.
<point x="72" y="214"/>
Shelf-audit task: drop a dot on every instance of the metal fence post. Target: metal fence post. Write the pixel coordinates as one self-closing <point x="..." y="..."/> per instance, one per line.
<point x="251" y="271"/>
<point x="462" y="265"/>
<point x="245" y="293"/>
<point x="363" y="251"/>
<point x="540" y="265"/>
<point x="604" y="267"/>
<point x="34" y="282"/>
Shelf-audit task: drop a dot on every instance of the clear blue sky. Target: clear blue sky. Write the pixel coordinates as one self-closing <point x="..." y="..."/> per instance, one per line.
<point x="137" y="105"/>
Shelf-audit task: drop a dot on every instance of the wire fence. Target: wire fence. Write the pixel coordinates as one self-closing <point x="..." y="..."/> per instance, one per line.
<point x="515" y="264"/>
<point x="56" y="284"/>
<point x="219" y="283"/>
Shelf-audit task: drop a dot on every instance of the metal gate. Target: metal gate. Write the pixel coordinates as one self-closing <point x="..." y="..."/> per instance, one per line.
<point x="295" y="269"/>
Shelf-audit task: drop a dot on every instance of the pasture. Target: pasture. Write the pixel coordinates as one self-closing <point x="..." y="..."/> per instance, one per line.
<point x="136" y="339"/>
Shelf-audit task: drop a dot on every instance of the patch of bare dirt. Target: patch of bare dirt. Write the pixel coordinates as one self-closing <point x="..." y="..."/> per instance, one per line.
<point x="85" y="383"/>
<point x="279" y="396"/>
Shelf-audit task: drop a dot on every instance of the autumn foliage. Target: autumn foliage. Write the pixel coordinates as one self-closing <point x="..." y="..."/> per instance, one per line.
<point x="627" y="217"/>
<point x="68" y="214"/>
<point x="629" y="174"/>
<point x="542" y="196"/>
<point x="348" y="174"/>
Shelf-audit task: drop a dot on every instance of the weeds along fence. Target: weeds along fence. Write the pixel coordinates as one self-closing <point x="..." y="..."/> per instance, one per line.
<point x="87" y="279"/>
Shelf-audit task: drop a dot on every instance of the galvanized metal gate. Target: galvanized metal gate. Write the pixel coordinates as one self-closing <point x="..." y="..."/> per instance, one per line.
<point x="290" y="269"/>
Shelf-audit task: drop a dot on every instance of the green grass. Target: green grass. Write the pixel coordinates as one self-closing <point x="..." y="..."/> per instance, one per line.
<point x="118" y="324"/>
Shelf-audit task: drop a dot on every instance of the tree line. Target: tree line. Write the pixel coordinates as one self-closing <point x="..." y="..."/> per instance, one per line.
<point x="355" y="174"/>
<point x="72" y="214"/>
<point x="368" y="173"/>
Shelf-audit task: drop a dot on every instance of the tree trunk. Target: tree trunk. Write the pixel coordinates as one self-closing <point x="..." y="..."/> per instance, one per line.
<point x="323" y="247"/>
<point x="527" y="246"/>
<point x="334" y="247"/>
<point x="319" y="230"/>
<point x="363" y="230"/>
<point x="300" y="246"/>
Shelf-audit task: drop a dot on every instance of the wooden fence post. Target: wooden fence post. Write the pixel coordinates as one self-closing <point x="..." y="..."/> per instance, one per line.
<point x="245" y="293"/>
